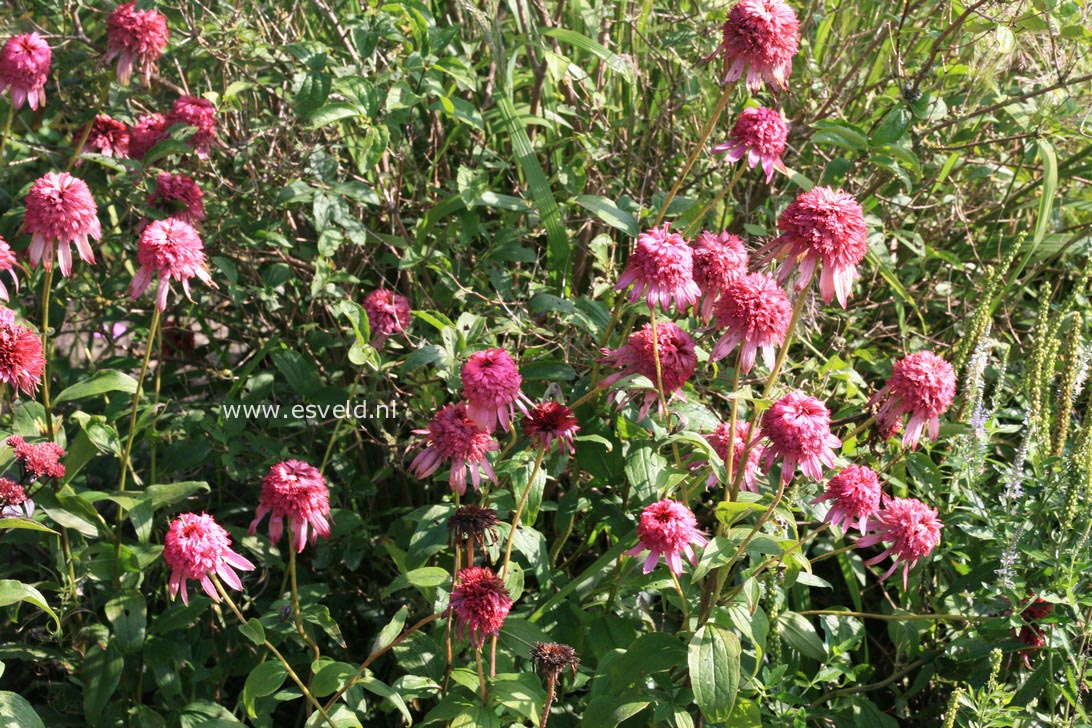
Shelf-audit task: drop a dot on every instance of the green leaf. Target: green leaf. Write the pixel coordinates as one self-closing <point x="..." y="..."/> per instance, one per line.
<point x="12" y="591"/>
<point x="801" y="636"/>
<point x="128" y="614"/>
<point x="101" y="675"/>
<point x="391" y="631"/>
<point x="332" y="113"/>
<point x="643" y="464"/>
<point x="614" y="62"/>
<point x="610" y="213"/>
<point x="388" y="693"/>
<point x="1049" y="159"/>
<point x="253" y="631"/>
<point x="107" y="380"/>
<point x="263" y="680"/>
<point x="330" y="677"/>
<point x="713" y="657"/>
<point x="16" y="711"/>
<point x="423" y="578"/>
<point x="613" y="710"/>
<point x="24" y="523"/>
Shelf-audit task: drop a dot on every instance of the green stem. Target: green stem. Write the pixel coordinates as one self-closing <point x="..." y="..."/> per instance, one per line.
<point x="296" y="597"/>
<point x="730" y="488"/>
<point x="6" y="133"/>
<point x="519" y="512"/>
<point x="136" y="405"/>
<point x="47" y="285"/>
<point x="705" y="134"/>
<point x="269" y="646"/>
<point x="891" y="617"/>
<point x="682" y="600"/>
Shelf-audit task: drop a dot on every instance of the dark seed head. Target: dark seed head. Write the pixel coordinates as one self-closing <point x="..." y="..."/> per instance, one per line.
<point x="472" y="523"/>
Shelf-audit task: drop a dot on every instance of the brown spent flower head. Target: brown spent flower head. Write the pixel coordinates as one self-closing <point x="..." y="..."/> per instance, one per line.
<point x="553" y="657"/>
<point x="475" y="524"/>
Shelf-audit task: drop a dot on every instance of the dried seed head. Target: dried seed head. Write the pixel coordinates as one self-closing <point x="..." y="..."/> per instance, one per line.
<point x="553" y="657"/>
<point x="471" y="523"/>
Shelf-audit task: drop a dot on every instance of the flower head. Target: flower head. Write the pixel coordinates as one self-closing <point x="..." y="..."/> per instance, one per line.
<point x="721" y="440"/>
<point x="22" y="360"/>
<point x="200" y="114"/>
<point x="388" y="312"/>
<point x="798" y="428"/>
<point x="856" y="494"/>
<point x="491" y="387"/>
<point x="108" y="137"/>
<point x="718" y="258"/>
<point x="923" y="386"/>
<point x="637" y="356"/>
<point x="909" y="528"/>
<point x="179" y="197"/>
<point x="821" y="225"/>
<point x="39" y="460"/>
<point x="148" y="131"/>
<point x="759" y="134"/>
<point x="196" y="547"/>
<point x="667" y="528"/>
<point x="295" y="491"/>
<point x="453" y="438"/>
<point x="8" y="263"/>
<point x="60" y="210"/>
<point x="136" y="38"/>
<point x="473" y="524"/>
<point x="479" y="603"/>
<point x="661" y="268"/>
<point x="24" y="66"/>
<point x="549" y="422"/>
<point x="169" y="249"/>
<point x="13" y="500"/>
<point x="1031" y="633"/>
<point x="755" y="313"/>
<point x="761" y="37"/>
<point x="553" y="657"/>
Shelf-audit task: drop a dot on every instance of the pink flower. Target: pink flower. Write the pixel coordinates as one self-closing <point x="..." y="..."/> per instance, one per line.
<point x="196" y="547"/>
<point x="24" y="65"/>
<point x="479" y="602"/>
<point x="180" y="197"/>
<point x="923" y="386"/>
<point x="297" y="491"/>
<point x="200" y="114"/>
<point x="149" y="130"/>
<point x="13" y="500"/>
<point x="856" y="494"/>
<point x="40" y="459"/>
<point x="821" y="225"/>
<point x="909" y="528"/>
<point x="169" y="249"/>
<point x="549" y="422"/>
<point x="452" y="437"/>
<point x="108" y="137"/>
<point x="491" y="385"/>
<point x="759" y="135"/>
<point x="677" y="361"/>
<point x="755" y="313"/>
<point x="22" y="361"/>
<point x="667" y="528"/>
<point x="798" y="428"/>
<point x="761" y="36"/>
<point x="718" y="258"/>
<point x="135" y="37"/>
<point x="661" y="268"/>
<point x="60" y="210"/>
<point x="388" y="312"/>
<point x="8" y="263"/>
<point x="719" y="439"/>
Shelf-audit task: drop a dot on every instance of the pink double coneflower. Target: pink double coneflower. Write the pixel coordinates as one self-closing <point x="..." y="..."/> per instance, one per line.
<point x="667" y="528"/>
<point x="854" y="494"/>
<point x="454" y="439"/>
<point x="479" y="604"/>
<point x="798" y="428"/>
<point x="661" y="269"/>
<point x="39" y="460"/>
<point x="137" y="38"/>
<point x="637" y="356"/>
<point x="388" y="312"/>
<point x="169" y="250"/>
<point x="22" y="360"/>
<point x="197" y="547"/>
<point x="201" y="115"/>
<point x="922" y="385"/>
<point x="759" y="135"/>
<point x="148" y="131"/>
<point x="107" y="136"/>
<point x="721" y="440"/>
<point x="718" y="258"/>
<point x="8" y="264"/>
<point x="24" y="68"/>
<point x="13" y="500"/>
<point x="294" y="491"/>
<point x="549" y="422"/>
<point x="59" y="212"/>
<point x="908" y="528"/>
<point x="759" y="37"/>
<point x="755" y="314"/>
<point x="491" y="388"/>
<point x="178" y="196"/>
<point x="825" y="226"/>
